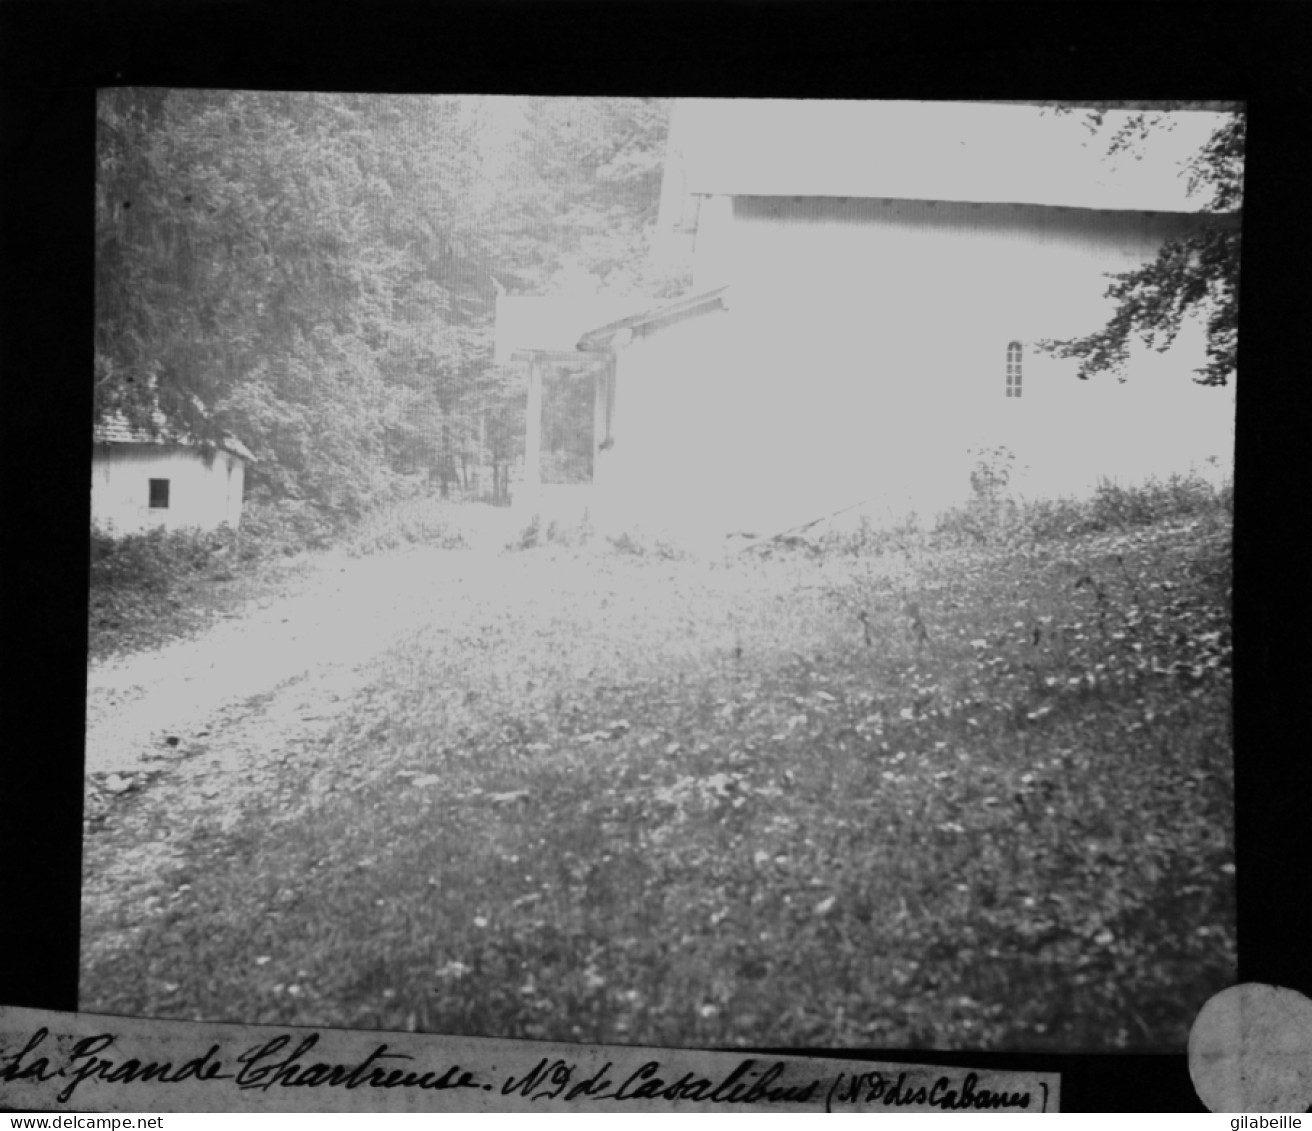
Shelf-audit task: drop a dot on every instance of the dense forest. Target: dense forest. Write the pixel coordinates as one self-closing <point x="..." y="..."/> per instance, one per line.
<point x="316" y="274"/>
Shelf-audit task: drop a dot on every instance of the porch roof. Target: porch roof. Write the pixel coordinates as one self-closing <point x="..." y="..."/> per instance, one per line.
<point x="551" y="323"/>
<point x="603" y="337"/>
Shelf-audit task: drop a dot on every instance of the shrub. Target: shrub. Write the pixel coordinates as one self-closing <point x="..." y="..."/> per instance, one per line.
<point x="423" y="521"/>
<point x="529" y="537"/>
<point x="1053" y="518"/>
<point x="644" y="545"/>
<point x="572" y="534"/>
<point x="139" y="584"/>
<point x="1179" y="496"/>
<point x="273" y="527"/>
<point x="1112" y="506"/>
<point x="552" y="532"/>
<point x="992" y="473"/>
<point x="155" y="560"/>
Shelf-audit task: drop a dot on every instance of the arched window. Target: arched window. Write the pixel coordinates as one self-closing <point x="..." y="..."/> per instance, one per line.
<point x="1013" y="369"/>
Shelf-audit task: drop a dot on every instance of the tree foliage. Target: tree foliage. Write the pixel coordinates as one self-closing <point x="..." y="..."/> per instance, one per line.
<point x="316" y="273"/>
<point x="1195" y="275"/>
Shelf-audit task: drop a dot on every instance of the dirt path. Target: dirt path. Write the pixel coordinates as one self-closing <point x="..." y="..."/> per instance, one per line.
<point x="181" y="740"/>
<point x="347" y="612"/>
<point x="343" y="614"/>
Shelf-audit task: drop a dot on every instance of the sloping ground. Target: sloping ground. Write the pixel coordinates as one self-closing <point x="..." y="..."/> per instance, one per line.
<point x="346" y="612"/>
<point x="185" y="738"/>
<point x="597" y="796"/>
<point x="332" y="612"/>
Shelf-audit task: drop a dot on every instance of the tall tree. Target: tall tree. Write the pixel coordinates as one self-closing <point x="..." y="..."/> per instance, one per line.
<point x="1196" y="275"/>
<point x="586" y="186"/>
<point x="316" y="272"/>
<point x="258" y="256"/>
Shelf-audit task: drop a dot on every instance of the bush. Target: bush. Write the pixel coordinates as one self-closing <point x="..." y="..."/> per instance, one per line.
<point x="992" y="472"/>
<point x="1054" y="518"/>
<point x="148" y="588"/>
<point x="554" y="532"/>
<point x="1111" y="507"/>
<point x="415" y="522"/>
<point x="1179" y="496"/>
<point x="139" y="584"/>
<point x="572" y="534"/>
<point x="274" y="527"/>
<point x="644" y="545"/>
<point x="529" y="537"/>
<point x="155" y="560"/>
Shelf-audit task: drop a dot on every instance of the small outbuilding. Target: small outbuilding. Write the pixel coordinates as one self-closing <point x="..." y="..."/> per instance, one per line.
<point x="141" y="481"/>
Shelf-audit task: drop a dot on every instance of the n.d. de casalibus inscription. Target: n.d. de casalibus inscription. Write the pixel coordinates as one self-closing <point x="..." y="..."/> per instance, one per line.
<point x="82" y="1062"/>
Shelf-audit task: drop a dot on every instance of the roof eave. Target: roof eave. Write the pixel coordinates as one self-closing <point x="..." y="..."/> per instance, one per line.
<point x="803" y="192"/>
<point x="603" y="337"/>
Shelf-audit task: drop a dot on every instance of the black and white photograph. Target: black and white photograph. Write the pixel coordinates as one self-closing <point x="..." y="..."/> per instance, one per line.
<point x="684" y="572"/>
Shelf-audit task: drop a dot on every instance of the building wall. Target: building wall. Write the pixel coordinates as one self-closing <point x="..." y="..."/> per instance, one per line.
<point x="202" y="494"/>
<point x="864" y="357"/>
<point x="676" y="426"/>
<point x="877" y="334"/>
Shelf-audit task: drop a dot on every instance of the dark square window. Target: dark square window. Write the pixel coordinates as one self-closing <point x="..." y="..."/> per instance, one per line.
<point x="159" y="492"/>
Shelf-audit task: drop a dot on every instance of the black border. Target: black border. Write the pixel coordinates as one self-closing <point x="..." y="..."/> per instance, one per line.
<point x="53" y="55"/>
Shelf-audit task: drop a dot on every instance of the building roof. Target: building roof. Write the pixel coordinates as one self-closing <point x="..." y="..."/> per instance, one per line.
<point x="115" y="429"/>
<point x="945" y="151"/>
<point x="552" y="322"/>
<point x="603" y="337"/>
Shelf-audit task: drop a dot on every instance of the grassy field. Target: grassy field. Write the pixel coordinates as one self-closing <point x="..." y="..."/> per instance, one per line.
<point x="968" y="787"/>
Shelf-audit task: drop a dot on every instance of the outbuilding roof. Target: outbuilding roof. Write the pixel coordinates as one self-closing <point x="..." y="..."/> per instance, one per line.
<point x="115" y="429"/>
<point x="945" y="151"/>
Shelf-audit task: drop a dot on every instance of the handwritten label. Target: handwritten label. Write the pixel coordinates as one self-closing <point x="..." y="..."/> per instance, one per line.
<point x="83" y="1062"/>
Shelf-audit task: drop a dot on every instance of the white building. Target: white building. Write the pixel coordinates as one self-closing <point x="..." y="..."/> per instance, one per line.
<point x="140" y="482"/>
<point x="871" y="280"/>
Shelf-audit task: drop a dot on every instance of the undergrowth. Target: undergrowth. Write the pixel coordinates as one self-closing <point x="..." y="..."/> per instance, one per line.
<point x="145" y="589"/>
<point x="928" y="791"/>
